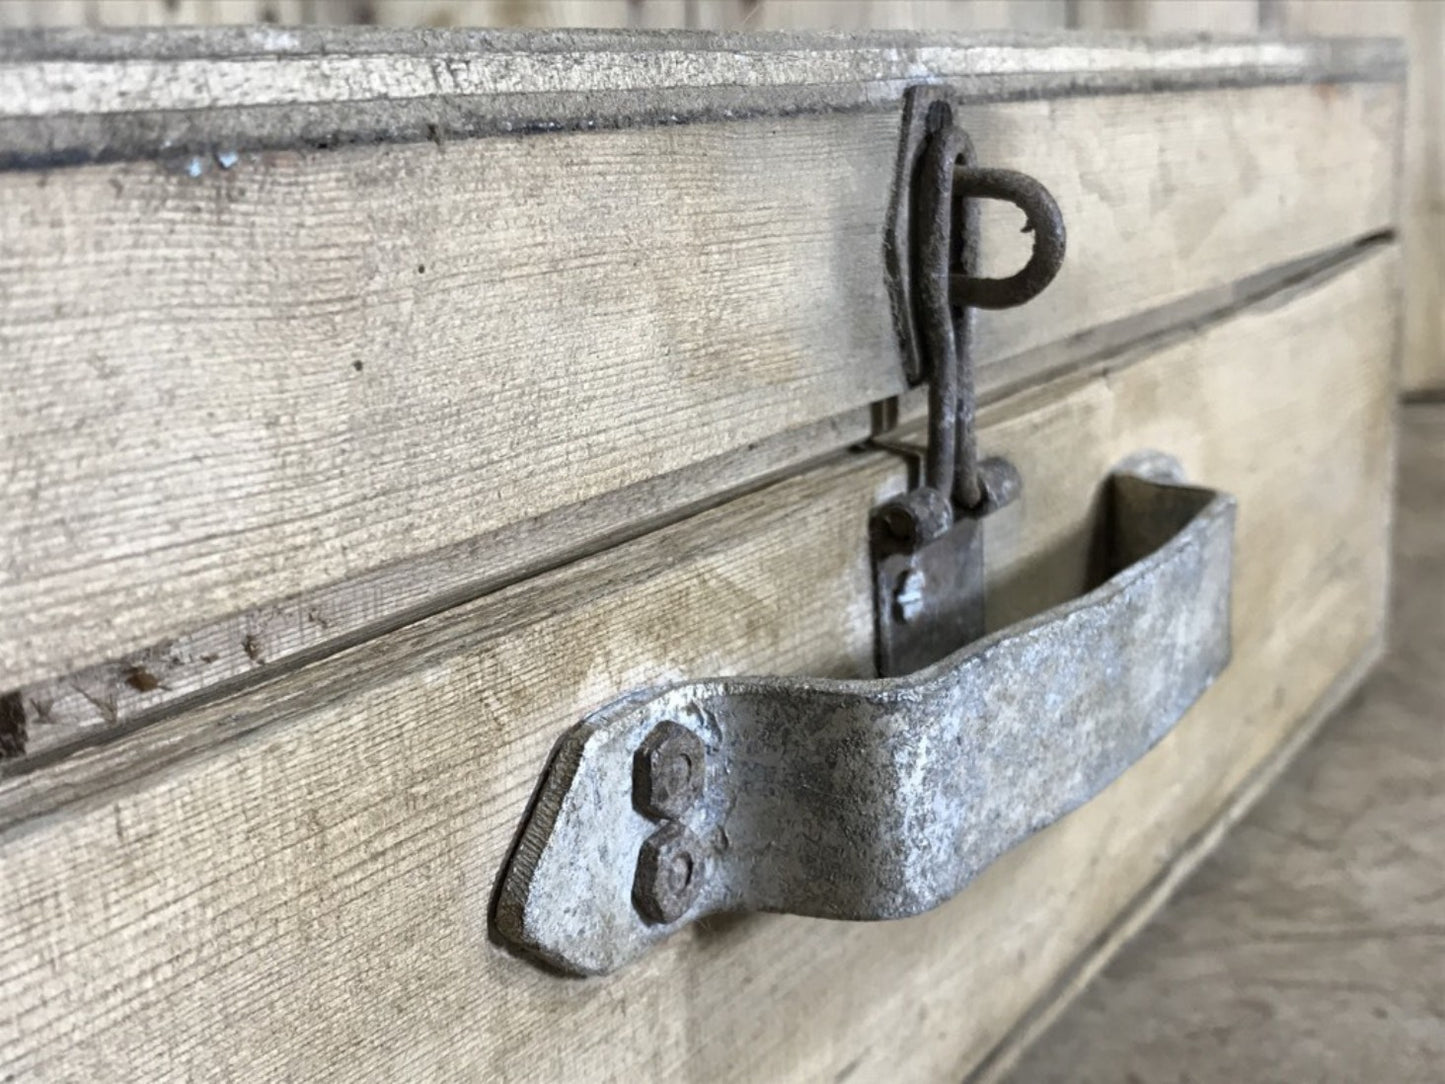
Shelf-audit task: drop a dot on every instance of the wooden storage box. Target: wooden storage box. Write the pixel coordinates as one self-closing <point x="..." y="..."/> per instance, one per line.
<point x="377" y="405"/>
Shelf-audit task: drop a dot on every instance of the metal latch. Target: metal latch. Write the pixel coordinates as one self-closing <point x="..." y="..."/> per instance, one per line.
<point x="882" y="798"/>
<point x="928" y="544"/>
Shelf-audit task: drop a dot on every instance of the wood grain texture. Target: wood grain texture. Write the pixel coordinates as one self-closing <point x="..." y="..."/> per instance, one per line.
<point x="233" y="388"/>
<point x="86" y="705"/>
<point x="294" y="883"/>
<point x="1422" y="214"/>
<point x="1310" y="946"/>
<point x="1421" y="24"/>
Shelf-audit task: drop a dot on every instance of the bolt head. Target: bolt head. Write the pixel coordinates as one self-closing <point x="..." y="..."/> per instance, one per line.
<point x="669" y="874"/>
<point x="668" y="771"/>
<point x="908" y="596"/>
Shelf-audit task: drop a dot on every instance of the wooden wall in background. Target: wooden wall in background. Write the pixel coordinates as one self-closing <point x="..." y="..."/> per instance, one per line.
<point x="1420" y="22"/>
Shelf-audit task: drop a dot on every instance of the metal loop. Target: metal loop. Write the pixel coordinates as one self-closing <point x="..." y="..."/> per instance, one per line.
<point x="948" y="291"/>
<point x="1045" y="221"/>
<point x="933" y="248"/>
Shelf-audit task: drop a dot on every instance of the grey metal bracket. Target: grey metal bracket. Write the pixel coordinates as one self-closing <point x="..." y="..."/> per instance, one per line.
<point x="928" y="583"/>
<point x="872" y="799"/>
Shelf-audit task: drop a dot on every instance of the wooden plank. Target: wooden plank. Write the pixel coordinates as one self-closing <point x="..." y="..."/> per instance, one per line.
<point x="230" y="389"/>
<point x="610" y="60"/>
<point x="1422" y="26"/>
<point x="1422" y="225"/>
<point x="295" y="882"/>
<point x="87" y="705"/>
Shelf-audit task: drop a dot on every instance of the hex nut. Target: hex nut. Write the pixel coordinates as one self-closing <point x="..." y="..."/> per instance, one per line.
<point x="668" y="771"/>
<point x="670" y="872"/>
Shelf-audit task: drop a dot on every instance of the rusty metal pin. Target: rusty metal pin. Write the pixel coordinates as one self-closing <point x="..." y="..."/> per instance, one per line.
<point x="1044" y="220"/>
<point x="949" y="289"/>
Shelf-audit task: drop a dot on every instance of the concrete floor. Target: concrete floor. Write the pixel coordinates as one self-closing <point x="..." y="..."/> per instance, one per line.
<point x="1311" y="946"/>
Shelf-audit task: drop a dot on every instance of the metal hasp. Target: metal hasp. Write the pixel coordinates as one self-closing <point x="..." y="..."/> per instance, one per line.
<point x="927" y="545"/>
<point x="882" y="798"/>
<point x="871" y="799"/>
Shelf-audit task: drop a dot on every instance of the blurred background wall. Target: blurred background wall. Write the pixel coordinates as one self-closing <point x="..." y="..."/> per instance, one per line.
<point x="1420" y="22"/>
<point x="1229" y="16"/>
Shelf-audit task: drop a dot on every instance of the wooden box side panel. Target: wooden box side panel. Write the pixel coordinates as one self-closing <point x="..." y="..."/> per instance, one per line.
<point x="302" y="889"/>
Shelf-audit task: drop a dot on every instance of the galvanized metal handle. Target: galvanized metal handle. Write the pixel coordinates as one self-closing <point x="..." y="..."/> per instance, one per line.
<point x="871" y="799"/>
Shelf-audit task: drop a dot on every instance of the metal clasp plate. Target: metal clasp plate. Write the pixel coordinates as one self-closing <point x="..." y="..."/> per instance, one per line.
<point x="927" y="545"/>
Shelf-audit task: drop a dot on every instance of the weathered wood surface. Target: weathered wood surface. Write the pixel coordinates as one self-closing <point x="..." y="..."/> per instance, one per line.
<point x="294" y="882"/>
<point x="230" y="389"/>
<point x="1310" y="946"/>
<point x="85" y="706"/>
<point x="1422" y="210"/>
<point x="1421" y="23"/>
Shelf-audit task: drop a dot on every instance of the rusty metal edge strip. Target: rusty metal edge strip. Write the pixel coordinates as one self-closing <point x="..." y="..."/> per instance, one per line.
<point x="871" y="73"/>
